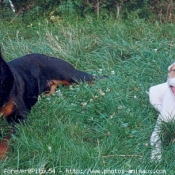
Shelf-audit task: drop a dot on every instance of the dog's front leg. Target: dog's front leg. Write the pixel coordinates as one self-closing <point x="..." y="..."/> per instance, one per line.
<point x="156" y="142"/>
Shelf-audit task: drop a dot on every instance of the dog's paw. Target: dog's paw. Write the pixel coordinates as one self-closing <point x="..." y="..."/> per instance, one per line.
<point x="156" y="156"/>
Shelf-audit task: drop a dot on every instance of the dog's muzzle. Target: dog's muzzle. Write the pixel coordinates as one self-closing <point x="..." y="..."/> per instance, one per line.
<point x="171" y="83"/>
<point x="173" y="89"/>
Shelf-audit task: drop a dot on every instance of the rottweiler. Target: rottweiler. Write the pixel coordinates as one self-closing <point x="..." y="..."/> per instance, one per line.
<point x="23" y="79"/>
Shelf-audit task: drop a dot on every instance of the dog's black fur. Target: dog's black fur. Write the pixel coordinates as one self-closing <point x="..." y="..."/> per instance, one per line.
<point x="24" y="79"/>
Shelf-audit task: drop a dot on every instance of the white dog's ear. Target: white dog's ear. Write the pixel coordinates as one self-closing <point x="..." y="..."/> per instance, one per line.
<point x="170" y="66"/>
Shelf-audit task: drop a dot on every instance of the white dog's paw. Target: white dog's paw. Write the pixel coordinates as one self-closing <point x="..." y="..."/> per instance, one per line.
<point x="156" y="156"/>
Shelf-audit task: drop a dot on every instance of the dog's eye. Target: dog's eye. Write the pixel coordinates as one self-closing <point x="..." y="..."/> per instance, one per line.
<point x="174" y="70"/>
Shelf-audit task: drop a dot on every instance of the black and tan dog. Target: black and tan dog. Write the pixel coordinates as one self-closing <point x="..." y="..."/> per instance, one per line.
<point x="23" y="79"/>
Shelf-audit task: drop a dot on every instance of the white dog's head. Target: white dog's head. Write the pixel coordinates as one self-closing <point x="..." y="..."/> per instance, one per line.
<point x="171" y="77"/>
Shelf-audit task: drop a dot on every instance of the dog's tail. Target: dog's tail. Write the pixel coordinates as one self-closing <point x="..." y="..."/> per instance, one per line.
<point x="81" y="76"/>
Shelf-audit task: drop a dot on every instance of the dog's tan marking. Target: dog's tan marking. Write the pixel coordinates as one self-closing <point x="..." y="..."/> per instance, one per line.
<point x="7" y="109"/>
<point x="53" y="84"/>
<point x="171" y="71"/>
<point x="4" y="146"/>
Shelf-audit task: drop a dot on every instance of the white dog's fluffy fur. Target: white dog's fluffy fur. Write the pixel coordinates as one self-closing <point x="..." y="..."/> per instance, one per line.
<point x="162" y="97"/>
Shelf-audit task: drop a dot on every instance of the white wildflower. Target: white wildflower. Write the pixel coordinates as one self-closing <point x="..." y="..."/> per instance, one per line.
<point x="108" y="90"/>
<point x="71" y="87"/>
<point x="49" y="148"/>
<point x="83" y="104"/>
<point x="101" y="92"/>
<point x="112" y="72"/>
<point x="91" y="100"/>
<point x="48" y="98"/>
<point x="100" y="71"/>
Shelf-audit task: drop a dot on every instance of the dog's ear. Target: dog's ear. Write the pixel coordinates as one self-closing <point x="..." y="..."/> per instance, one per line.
<point x="4" y="68"/>
<point x="6" y="80"/>
<point x="169" y="68"/>
<point x="1" y="59"/>
<point x="2" y="62"/>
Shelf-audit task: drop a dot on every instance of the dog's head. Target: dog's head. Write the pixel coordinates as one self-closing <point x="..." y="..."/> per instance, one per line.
<point x="171" y="77"/>
<point x="6" y="83"/>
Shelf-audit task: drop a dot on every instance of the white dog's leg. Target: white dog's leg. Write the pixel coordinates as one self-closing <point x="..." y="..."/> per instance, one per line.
<point x="156" y="142"/>
<point x="167" y="114"/>
<point x="156" y="98"/>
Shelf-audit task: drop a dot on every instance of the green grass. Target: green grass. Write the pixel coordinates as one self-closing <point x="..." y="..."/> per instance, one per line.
<point x="100" y="127"/>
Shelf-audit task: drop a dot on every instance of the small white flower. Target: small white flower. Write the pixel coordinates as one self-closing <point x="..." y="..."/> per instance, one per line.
<point x="112" y="116"/>
<point x="71" y="87"/>
<point x="146" y="144"/>
<point x="48" y="98"/>
<point x="96" y="96"/>
<point x="91" y="100"/>
<point x="120" y="107"/>
<point x="108" y="90"/>
<point x="101" y="92"/>
<point x="50" y="148"/>
<point x="59" y="93"/>
<point x="83" y="104"/>
<point x="112" y="72"/>
<point x="100" y="71"/>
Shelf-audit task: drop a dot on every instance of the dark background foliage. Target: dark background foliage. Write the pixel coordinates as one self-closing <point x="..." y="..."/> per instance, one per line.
<point x="162" y="10"/>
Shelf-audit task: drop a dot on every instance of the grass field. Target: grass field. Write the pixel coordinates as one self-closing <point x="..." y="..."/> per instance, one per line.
<point x="92" y="129"/>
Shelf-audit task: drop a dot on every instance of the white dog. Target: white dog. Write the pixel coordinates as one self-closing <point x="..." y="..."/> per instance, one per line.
<point x="162" y="97"/>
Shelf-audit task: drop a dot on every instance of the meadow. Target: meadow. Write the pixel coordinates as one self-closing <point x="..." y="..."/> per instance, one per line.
<point x="102" y="128"/>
